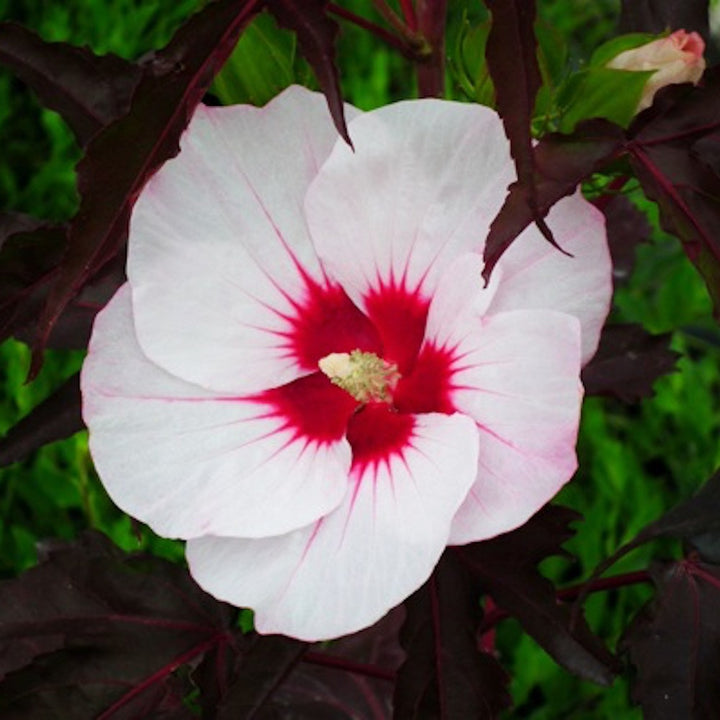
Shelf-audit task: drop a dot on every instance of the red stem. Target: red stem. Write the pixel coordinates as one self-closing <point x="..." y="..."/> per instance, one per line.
<point x="161" y="674"/>
<point x="370" y="26"/>
<point x="615" y="186"/>
<point x="409" y="14"/>
<point x="392" y="18"/>
<point x="570" y="593"/>
<point x="431" y="16"/>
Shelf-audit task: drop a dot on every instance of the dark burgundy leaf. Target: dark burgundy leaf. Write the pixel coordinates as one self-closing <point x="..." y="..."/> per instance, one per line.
<point x="446" y="675"/>
<point x="316" y="33"/>
<point x="627" y="227"/>
<point x="511" y="53"/>
<point x="351" y="679"/>
<point x="699" y="514"/>
<point x="121" y="158"/>
<point x="94" y="633"/>
<point x="561" y="163"/>
<point x="259" y="672"/>
<point x="657" y="16"/>
<point x="73" y="327"/>
<point x="506" y="567"/>
<point x="628" y="362"/>
<point x="697" y="517"/>
<point x="55" y="418"/>
<point x="88" y="91"/>
<point x="30" y="250"/>
<point x="663" y="151"/>
<point x="674" y="644"/>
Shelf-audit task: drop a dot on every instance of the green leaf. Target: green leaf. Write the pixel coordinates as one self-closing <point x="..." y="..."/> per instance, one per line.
<point x="600" y="92"/>
<point x="260" y="67"/>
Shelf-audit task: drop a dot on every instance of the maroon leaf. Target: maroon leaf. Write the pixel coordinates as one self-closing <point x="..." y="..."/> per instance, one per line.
<point x="260" y="671"/>
<point x="628" y="362"/>
<point x="351" y="678"/>
<point x="561" y="163"/>
<point x="627" y="227"/>
<point x="675" y="644"/>
<point x="663" y="150"/>
<point x="121" y="158"/>
<point x="92" y="632"/>
<point x="695" y="518"/>
<point x="657" y="16"/>
<point x="55" y="418"/>
<point x="30" y="250"/>
<point x="511" y="53"/>
<point x="506" y="567"/>
<point x="88" y="91"/>
<point x="316" y="33"/>
<point x="446" y="675"/>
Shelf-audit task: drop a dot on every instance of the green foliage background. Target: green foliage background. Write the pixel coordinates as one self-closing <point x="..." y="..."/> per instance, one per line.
<point x="635" y="461"/>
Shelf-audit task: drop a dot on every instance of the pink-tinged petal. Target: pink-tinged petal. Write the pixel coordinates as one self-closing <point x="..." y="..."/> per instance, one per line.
<point x="536" y="276"/>
<point x="426" y="179"/>
<point x="517" y="375"/>
<point x="188" y="461"/>
<point x="220" y="261"/>
<point x="346" y="571"/>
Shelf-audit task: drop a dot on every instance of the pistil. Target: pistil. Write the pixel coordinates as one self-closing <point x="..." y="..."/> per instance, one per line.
<point x="367" y="377"/>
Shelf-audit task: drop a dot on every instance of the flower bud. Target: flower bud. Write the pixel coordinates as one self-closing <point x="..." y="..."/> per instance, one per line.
<point x="677" y="58"/>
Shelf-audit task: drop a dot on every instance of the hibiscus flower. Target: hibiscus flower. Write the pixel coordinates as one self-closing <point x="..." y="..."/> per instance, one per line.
<point x="305" y="376"/>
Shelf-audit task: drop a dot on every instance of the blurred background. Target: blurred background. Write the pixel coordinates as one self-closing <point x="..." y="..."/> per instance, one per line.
<point x="635" y="460"/>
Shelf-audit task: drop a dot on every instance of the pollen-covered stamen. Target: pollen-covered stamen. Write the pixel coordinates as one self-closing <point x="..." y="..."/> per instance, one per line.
<point x="364" y="375"/>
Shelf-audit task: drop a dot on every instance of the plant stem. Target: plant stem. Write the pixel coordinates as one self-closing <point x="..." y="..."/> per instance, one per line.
<point x="409" y="14"/>
<point x="370" y="26"/>
<point x="614" y="187"/>
<point x="567" y="594"/>
<point x="431" y="15"/>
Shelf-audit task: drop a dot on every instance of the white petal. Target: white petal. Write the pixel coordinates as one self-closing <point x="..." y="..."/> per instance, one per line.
<point x="426" y="179"/>
<point x="348" y="570"/>
<point x="188" y="461"/>
<point x="536" y="275"/>
<point x="517" y="374"/>
<point x="219" y="254"/>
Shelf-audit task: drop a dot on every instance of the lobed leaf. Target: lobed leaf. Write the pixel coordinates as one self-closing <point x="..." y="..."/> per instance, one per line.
<point x="446" y="675"/>
<point x="88" y="91"/>
<point x="695" y="518"/>
<point x="561" y="163"/>
<point x="121" y="158"/>
<point x="30" y="250"/>
<point x="626" y="227"/>
<point x="657" y="16"/>
<point x="511" y="54"/>
<point x="55" y="418"/>
<point x="628" y="362"/>
<point x="347" y="679"/>
<point x="258" y="674"/>
<point x="674" y="641"/>
<point x="667" y="146"/>
<point x="92" y="632"/>
<point x="316" y="33"/>
<point x="506" y="567"/>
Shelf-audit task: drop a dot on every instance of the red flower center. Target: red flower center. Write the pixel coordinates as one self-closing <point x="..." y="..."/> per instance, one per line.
<point x="392" y="330"/>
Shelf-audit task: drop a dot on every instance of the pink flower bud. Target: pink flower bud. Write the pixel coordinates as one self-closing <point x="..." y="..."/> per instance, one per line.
<point x="677" y="58"/>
